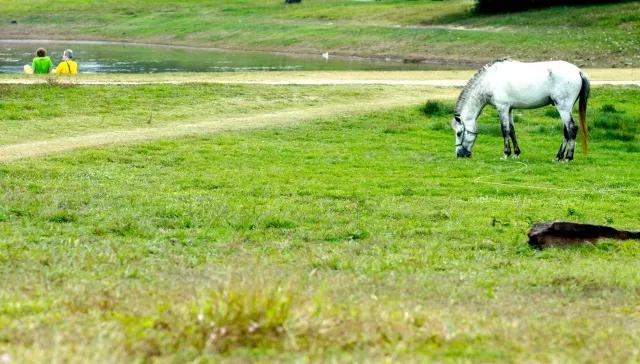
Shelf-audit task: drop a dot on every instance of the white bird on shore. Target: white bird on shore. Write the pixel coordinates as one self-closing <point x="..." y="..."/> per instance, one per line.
<point x="325" y="55"/>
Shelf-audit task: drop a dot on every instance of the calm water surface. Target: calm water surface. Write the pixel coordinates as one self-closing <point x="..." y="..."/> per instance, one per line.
<point x="131" y="58"/>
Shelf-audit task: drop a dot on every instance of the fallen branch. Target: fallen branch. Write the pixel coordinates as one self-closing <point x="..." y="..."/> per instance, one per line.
<point x="562" y="233"/>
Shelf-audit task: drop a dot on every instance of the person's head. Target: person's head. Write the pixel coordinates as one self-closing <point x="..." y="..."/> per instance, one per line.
<point x="67" y="54"/>
<point x="41" y="52"/>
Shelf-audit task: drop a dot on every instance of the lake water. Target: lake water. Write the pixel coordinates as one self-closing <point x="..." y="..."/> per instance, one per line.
<point x="105" y="57"/>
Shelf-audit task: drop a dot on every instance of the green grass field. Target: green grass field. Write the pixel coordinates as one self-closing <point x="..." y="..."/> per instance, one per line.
<point x="214" y="221"/>
<point x="442" y="31"/>
<point x="34" y="112"/>
<point x="354" y="237"/>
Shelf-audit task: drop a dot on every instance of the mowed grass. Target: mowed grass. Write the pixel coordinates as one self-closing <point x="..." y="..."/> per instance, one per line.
<point x="445" y="31"/>
<point x="353" y="238"/>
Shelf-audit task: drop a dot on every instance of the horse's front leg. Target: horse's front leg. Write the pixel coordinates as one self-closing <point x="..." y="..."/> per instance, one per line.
<point x="512" y="134"/>
<point x="506" y="131"/>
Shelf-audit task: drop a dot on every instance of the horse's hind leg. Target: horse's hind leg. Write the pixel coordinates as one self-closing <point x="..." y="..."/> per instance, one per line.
<point x="563" y="146"/>
<point x="570" y="131"/>
<point x="512" y="134"/>
<point x="506" y="131"/>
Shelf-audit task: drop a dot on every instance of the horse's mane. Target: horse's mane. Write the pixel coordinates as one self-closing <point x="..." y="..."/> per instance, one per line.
<point x="467" y="89"/>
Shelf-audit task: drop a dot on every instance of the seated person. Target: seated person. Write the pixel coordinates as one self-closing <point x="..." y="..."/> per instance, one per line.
<point x="67" y="66"/>
<point x="41" y="63"/>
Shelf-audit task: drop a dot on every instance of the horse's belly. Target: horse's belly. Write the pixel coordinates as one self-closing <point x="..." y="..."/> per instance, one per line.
<point x="523" y="101"/>
<point x="530" y="103"/>
<point x="522" y="95"/>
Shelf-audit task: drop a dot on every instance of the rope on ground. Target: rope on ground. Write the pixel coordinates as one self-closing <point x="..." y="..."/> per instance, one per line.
<point x="524" y="167"/>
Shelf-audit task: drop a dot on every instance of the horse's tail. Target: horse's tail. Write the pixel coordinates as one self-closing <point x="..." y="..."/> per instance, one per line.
<point x="582" y="107"/>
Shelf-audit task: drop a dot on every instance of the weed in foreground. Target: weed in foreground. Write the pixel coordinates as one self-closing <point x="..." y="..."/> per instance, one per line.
<point x="255" y="313"/>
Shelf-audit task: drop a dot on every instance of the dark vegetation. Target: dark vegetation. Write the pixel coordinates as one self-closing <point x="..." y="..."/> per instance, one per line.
<point x="502" y="6"/>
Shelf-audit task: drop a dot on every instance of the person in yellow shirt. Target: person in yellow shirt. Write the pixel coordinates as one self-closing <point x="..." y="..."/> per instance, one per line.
<point x="67" y="66"/>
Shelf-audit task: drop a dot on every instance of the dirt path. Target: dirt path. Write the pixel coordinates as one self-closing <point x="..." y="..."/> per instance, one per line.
<point x="302" y="82"/>
<point x="307" y="82"/>
<point x="281" y="118"/>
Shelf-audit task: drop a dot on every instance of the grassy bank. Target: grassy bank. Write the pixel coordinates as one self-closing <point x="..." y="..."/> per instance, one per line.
<point x="357" y="237"/>
<point x="444" y="31"/>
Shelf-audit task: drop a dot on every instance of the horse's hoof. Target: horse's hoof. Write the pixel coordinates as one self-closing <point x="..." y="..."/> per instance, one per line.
<point x="516" y="156"/>
<point x="504" y="157"/>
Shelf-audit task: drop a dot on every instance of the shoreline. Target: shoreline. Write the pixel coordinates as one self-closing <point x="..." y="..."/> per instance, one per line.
<point x="455" y="63"/>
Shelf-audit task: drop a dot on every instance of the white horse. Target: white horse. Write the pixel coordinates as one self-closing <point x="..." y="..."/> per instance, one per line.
<point x="507" y="85"/>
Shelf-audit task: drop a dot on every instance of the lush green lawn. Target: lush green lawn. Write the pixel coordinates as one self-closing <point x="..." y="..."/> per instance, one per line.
<point x="603" y="35"/>
<point x="351" y="238"/>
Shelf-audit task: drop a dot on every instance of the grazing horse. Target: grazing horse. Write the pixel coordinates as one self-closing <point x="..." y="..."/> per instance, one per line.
<point x="507" y="85"/>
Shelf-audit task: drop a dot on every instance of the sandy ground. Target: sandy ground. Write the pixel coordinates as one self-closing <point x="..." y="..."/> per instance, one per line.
<point x="458" y="78"/>
<point x="322" y="82"/>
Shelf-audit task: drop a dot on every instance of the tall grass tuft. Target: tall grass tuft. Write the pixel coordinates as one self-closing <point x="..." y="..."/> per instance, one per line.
<point x="244" y="316"/>
<point x="608" y="108"/>
<point x="239" y="314"/>
<point x="436" y="108"/>
<point x="551" y="113"/>
<point x="613" y="125"/>
<point x="263" y="314"/>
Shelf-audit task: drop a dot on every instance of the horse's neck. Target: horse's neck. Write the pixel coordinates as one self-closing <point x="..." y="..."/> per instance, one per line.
<point x="472" y="107"/>
<point x="472" y="100"/>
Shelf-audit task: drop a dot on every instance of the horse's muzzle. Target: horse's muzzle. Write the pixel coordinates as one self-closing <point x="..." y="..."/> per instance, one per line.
<point x="463" y="153"/>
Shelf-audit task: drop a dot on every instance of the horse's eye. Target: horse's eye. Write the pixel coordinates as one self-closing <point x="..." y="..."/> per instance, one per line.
<point x="459" y="134"/>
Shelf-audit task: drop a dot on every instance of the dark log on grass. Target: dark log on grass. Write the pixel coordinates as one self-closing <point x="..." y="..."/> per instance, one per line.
<point x="561" y="233"/>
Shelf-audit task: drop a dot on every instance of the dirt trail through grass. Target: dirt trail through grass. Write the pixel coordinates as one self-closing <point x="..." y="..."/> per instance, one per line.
<point x="287" y="117"/>
<point x="320" y="82"/>
<point x="441" y="78"/>
<point x="297" y="81"/>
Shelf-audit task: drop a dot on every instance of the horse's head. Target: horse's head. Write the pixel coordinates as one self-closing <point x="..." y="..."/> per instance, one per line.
<point x="465" y="138"/>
